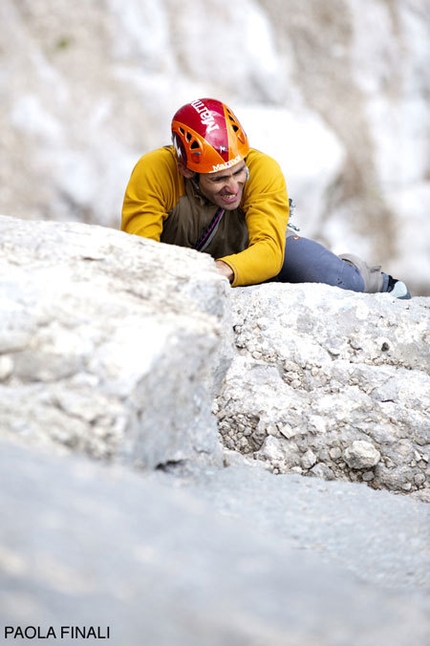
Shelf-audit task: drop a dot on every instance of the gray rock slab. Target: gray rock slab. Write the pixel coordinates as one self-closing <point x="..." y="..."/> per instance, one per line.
<point x="110" y="344"/>
<point x="83" y="544"/>
<point x="382" y="538"/>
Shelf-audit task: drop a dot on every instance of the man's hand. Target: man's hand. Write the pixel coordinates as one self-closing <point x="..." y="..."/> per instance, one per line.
<point x="224" y="270"/>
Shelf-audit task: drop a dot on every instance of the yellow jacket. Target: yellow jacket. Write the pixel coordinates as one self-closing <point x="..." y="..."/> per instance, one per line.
<point x="160" y="204"/>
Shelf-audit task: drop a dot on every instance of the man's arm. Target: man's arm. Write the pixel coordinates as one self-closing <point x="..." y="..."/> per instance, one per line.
<point x="224" y="270"/>
<point x="152" y="191"/>
<point x="266" y="209"/>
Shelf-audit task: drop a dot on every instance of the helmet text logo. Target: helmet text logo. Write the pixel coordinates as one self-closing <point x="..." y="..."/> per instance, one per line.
<point x="205" y="115"/>
<point x="228" y="164"/>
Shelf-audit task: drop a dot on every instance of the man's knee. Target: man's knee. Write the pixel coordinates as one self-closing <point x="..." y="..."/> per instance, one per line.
<point x="372" y="276"/>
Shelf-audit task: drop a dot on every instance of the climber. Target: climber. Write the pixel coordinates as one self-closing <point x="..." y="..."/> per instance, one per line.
<point x="210" y="191"/>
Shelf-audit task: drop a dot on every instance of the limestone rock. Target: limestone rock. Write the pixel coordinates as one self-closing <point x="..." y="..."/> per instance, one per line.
<point x="233" y="556"/>
<point x="361" y="455"/>
<point x="108" y="346"/>
<point x="113" y="346"/>
<point x="338" y="377"/>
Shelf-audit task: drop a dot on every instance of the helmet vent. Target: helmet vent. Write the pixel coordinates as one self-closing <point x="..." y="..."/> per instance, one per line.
<point x="234" y="125"/>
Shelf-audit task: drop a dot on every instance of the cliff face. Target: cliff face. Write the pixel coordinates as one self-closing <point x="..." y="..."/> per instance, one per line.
<point x="115" y="346"/>
<point x="112" y="346"/>
<point x="337" y="91"/>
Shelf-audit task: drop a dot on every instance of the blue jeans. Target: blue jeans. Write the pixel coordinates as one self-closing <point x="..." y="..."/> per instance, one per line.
<point x="307" y="261"/>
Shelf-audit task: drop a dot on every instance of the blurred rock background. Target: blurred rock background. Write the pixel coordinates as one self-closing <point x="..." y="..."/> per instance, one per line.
<point x="337" y="91"/>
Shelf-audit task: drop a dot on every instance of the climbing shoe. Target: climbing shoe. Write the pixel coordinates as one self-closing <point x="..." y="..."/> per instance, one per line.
<point x="397" y="288"/>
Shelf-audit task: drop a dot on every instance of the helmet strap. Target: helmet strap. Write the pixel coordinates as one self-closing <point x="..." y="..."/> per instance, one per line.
<point x="195" y="181"/>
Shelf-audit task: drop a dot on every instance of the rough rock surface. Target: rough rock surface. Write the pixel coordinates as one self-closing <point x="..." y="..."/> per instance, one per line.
<point x="332" y="384"/>
<point x="113" y="346"/>
<point x="95" y="338"/>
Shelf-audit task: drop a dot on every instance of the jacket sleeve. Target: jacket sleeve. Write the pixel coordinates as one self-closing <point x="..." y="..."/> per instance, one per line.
<point x="152" y="191"/>
<point x="266" y="209"/>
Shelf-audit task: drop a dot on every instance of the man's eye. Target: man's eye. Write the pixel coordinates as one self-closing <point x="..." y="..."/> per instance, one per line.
<point x="219" y="180"/>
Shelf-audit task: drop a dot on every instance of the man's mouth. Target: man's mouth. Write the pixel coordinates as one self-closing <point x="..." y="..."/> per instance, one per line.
<point x="228" y="199"/>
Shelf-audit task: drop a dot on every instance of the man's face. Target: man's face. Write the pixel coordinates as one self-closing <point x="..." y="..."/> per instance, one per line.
<point x="225" y="187"/>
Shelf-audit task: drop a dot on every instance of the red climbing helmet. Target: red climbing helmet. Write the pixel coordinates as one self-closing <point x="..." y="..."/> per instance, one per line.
<point x="207" y="136"/>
